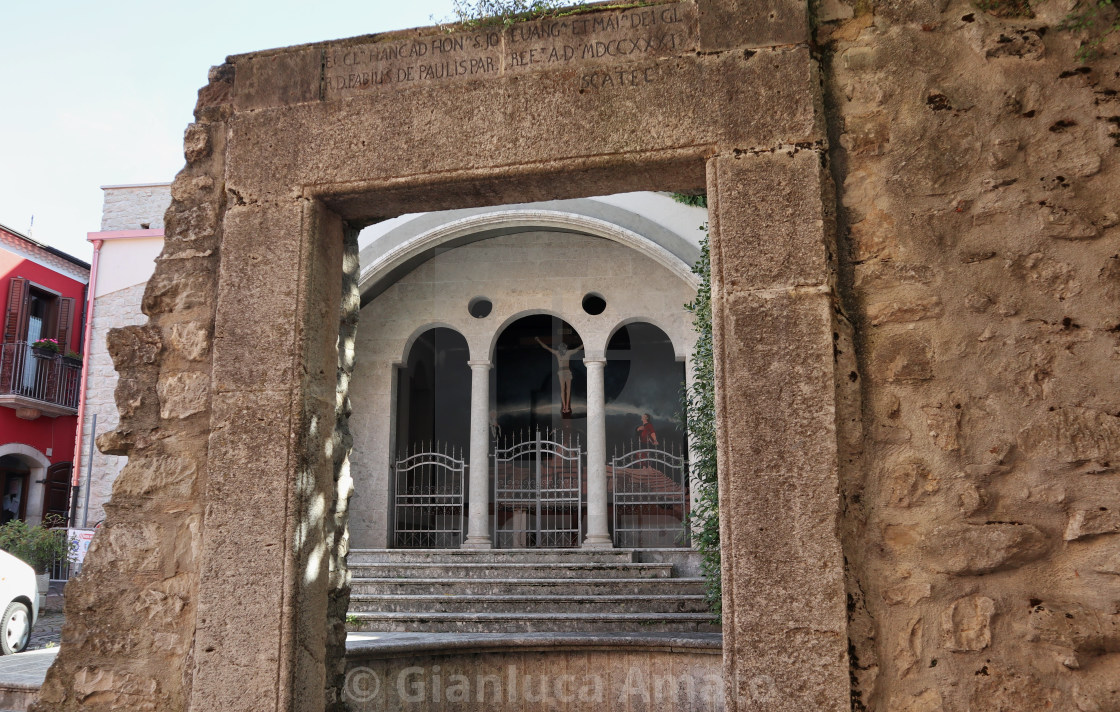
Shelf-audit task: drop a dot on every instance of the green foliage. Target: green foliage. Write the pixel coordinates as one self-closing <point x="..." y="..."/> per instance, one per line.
<point x="1097" y="20"/>
<point x="480" y="13"/>
<point x="1006" y="8"/>
<point x="700" y="411"/>
<point x="696" y="200"/>
<point x="37" y="546"/>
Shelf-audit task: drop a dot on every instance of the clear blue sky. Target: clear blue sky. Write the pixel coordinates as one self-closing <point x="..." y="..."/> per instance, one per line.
<point x="96" y="94"/>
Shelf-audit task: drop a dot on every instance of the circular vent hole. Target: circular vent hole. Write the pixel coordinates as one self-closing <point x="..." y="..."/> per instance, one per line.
<point x="594" y="304"/>
<point x="480" y="307"/>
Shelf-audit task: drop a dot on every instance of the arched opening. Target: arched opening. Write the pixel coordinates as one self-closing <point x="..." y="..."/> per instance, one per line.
<point x="434" y="392"/>
<point x="539" y="426"/>
<point x="15" y="479"/>
<point x="24" y="473"/>
<point x="433" y="437"/>
<point x="540" y="381"/>
<point x="646" y="439"/>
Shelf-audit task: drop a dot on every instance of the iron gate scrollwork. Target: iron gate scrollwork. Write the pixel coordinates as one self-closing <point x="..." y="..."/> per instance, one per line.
<point x="429" y="503"/>
<point x="538" y="493"/>
<point x="649" y="492"/>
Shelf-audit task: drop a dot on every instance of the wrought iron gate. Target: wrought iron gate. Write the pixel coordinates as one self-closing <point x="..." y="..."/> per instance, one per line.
<point x="538" y="493"/>
<point x="428" y="507"/>
<point x="649" y="488"/>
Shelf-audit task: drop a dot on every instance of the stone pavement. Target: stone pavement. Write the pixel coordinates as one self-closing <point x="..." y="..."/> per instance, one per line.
<point x="47" y="631"/>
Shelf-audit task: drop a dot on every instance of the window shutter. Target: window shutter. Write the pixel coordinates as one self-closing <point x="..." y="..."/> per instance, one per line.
<point x="65" y="322"/>
<point x="17" y="306"/>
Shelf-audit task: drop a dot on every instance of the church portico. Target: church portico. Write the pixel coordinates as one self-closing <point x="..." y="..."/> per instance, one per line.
<point x="536" y="305"/>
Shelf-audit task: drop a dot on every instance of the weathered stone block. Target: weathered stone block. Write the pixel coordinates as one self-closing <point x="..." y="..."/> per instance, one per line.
<point x="182" y="395"/>
<point x="906" y="357"/>
<point x="729" y="24"/>
<point x="133" y="346"/>
<point x="270" y="79"/>
<point x="253" y="315"/>
<point x="758" y="243"/>
<point x="196" y="142"/>
<point x="157" y="475"/>
<point x="765" y="341"/>
<point x="191" y="340"/>
<point x="972" y="549"/>
<point x="179" y="286"/>
<point x="966" y="623"/>
<point x="1073" y="435"/>
<point x="1091" y="521"/>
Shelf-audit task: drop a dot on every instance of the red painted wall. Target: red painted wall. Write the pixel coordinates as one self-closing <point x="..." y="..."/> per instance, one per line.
<point x="42" y="433"/>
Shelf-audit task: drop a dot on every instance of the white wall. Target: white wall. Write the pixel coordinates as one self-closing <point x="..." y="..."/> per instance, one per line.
<point x="126" y="263"/>
<point x="535" y="272"/>
<point x="135" y="207"/>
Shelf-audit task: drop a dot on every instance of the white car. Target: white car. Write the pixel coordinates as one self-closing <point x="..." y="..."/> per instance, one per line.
<point x="19" y="599"/>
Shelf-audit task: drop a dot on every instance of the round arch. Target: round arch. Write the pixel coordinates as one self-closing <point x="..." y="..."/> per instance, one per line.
<point x="433" y="389"/>
<point x="38" y="464"/>
<point x="420" y="331"/>
<point x="680" y="350"/>
<point x="404" y="257"/>
<point x="514" y="318"/>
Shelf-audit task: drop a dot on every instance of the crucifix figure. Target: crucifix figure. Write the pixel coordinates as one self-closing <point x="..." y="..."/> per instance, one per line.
<point x="564" y="371"/>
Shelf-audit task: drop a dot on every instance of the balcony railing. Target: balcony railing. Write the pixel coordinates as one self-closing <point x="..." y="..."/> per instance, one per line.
<point x="28" y="377"/>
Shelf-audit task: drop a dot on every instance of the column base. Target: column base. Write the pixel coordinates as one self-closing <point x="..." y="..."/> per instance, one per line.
<point x="480" y="542"/>
<point x="598" y="541"/>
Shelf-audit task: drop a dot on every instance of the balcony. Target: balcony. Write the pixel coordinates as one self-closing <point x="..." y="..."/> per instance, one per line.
<point x="36" y="383"/>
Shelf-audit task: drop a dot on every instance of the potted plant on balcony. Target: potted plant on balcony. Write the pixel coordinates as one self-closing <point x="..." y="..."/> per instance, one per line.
<point x="45" y="348"/>
<point x="72" y="358"/>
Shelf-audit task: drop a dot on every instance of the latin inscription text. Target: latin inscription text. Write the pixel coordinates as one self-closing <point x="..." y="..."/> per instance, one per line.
<point x="657" y="31"/>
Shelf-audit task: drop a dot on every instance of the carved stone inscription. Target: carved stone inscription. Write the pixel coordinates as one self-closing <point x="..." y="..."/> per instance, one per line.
<point x="599" y="37"/>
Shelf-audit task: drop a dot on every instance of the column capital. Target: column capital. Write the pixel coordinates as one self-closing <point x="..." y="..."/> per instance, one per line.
<point x="479" y="363"/>
<point x="595" y="361"/>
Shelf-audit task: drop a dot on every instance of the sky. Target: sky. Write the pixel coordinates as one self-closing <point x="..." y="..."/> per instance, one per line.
<point x="99" y="93"/>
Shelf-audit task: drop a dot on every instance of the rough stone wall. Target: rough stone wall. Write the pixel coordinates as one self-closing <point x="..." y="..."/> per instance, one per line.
<point x="112" y="311"/>
<point x="139" y="207"/>
<point x="143" y="563"/>
<point x="977" y="167"/>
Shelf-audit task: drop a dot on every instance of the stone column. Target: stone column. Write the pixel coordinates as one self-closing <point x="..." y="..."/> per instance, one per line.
<point x="598" y="536"/>
<point x="478" y="525"/>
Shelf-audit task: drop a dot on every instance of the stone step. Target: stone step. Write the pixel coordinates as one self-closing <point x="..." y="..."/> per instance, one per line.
<point x="359" y="557"/>
<point x="489" y="570"/>
<point x="526" y="586"/>
<point x="505" y="603"/>
<point x="532" y="622"/>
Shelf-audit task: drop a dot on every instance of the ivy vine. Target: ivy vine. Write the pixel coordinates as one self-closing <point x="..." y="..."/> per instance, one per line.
<point x="1097" y="19"/>
<point x="700" y="413"/>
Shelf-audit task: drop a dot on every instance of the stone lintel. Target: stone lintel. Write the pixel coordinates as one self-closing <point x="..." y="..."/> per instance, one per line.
<point x="509" y="139"/>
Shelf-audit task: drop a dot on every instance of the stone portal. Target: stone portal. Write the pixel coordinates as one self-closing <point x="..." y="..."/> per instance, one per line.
<point x="218" y="580"/>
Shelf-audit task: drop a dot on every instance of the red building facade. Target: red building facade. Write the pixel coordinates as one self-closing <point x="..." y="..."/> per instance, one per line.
<point x="43" y="295"/>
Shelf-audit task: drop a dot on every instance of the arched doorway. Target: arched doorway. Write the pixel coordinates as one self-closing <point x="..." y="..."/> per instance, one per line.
<point x="648" y="474"/>
<point x="15" y="478"/>
<point x="434" y="392"/>
<point x="432" y="438"/>
<point x="27" y="476"/>
<point x="540" y="381"/>
<point x="539" y="426"/>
